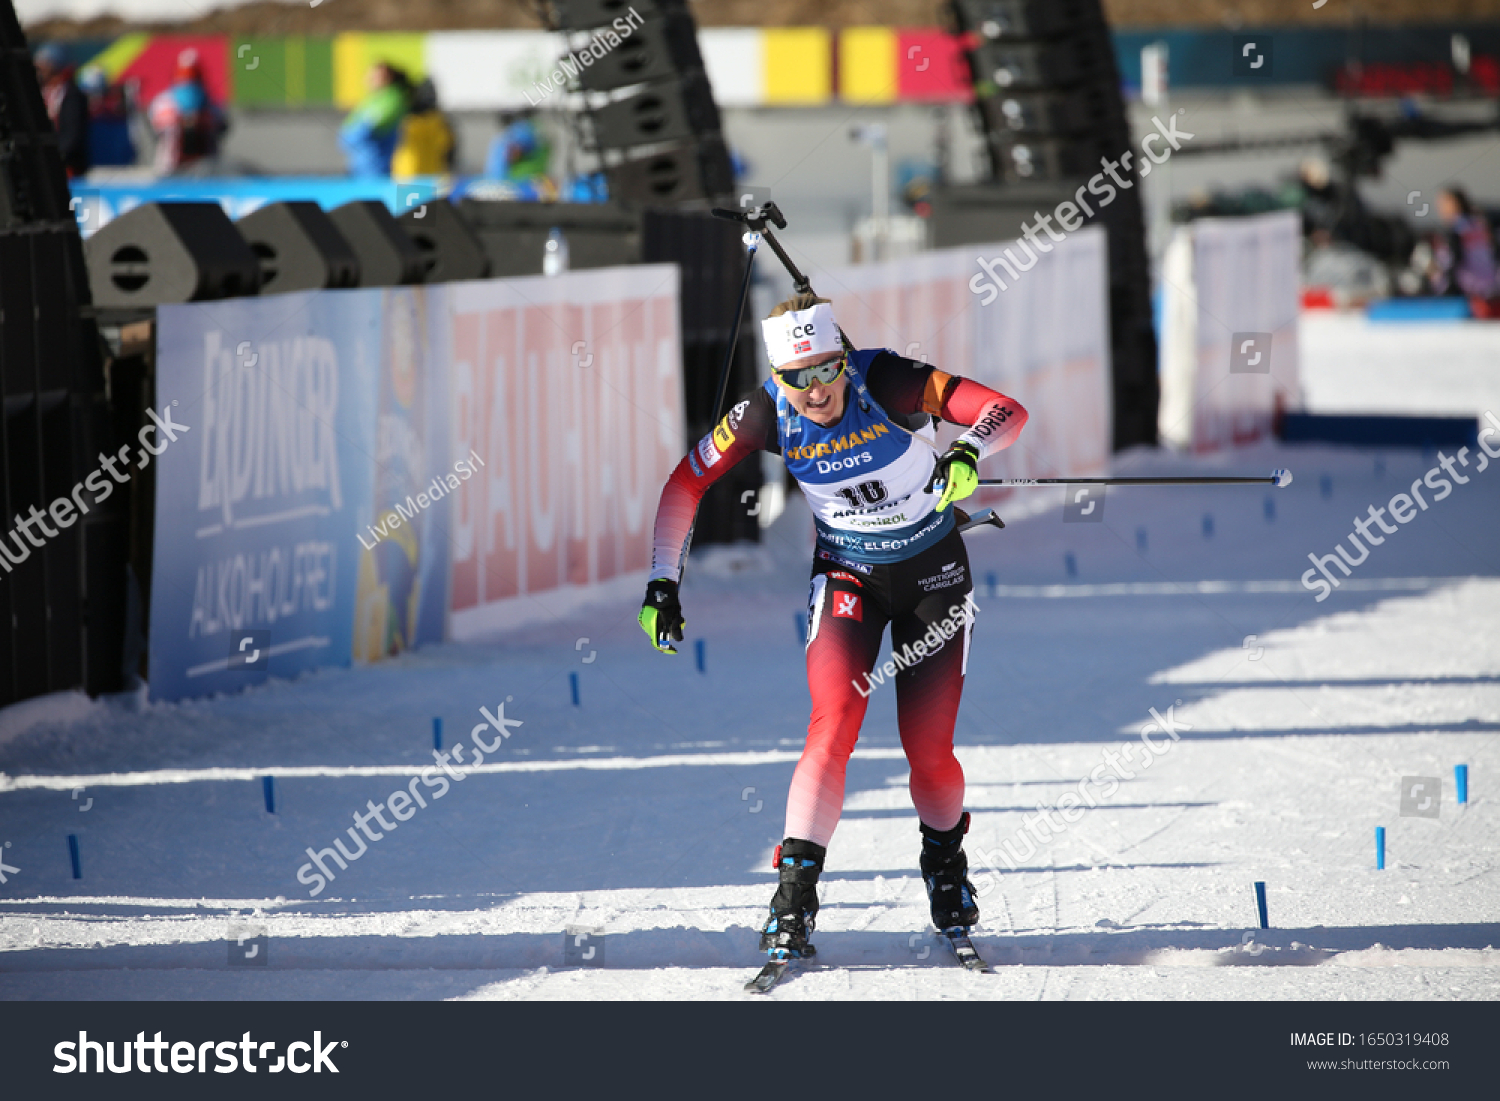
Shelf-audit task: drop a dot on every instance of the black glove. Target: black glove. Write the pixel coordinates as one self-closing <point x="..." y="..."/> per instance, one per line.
<point x="661" y="615"/>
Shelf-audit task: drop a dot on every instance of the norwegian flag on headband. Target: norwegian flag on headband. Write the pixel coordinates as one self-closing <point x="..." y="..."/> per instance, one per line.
<point x="801" y="333"/>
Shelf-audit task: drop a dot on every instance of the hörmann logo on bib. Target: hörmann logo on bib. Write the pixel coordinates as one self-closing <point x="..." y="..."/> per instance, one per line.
<point x="843" y="443"/>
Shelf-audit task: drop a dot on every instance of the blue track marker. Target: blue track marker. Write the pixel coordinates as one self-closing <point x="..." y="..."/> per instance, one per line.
<point x="1270" y="507"/>
<point x="268" y="786"/>
<point x="573" y="683"/>
<point x="992" y="582"/>
<point x="1140" y="540"/>
<point x="1461" y="781"/>
<point x="1208" y="525"/>
<point x="1325" y="486"/>
<point x="437" y="732"/>
<point x="801" y="618"/>
<point x="1070" y="564"/>
<point x="73" y="855"/>
<point x="699" y="648"/>
<point x="1379" y="848"/>
<point x="1260" y="904"/>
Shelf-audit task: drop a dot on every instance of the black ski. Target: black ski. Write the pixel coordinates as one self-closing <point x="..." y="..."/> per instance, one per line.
<point x="773" y="972"/>
<point x="957" y="938"/>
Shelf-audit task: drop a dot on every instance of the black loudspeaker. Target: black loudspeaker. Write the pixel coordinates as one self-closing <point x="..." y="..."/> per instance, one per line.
<point x="299" y="248"/>
<point x="514" y="235"/>
<point x="33" y="185"/>
<point x="387" y="257"/>
<point x="449" y="246"/>
<point x="1048" y="158"/>
<point x="1005" y="67"/>
<point x="712" y="258"/>
<point x="1044" y="114"/>
<point x="62" y="604"/>
<point x="169" y="252"/>
<point x="584" y="15"/>
<point x="658" y="49"/>
<point x="1010" y="19"/>
<point x="700" y="170"/>
<point x="662" y="144"/>
<point x="667" y="112"/>
<point x="986" y="213"/>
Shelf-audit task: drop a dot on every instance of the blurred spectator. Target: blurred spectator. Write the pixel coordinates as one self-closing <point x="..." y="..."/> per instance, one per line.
<point x="1463" y="255"/>
<point x="427" y="146"/>
<point x="518" y="153"/>
<point x="186" y="121"/>
<point x="1320" y="201"/>
<point x="67" y="107"/>
<point x="109" y="118"/>
<point x="370" y="133"/>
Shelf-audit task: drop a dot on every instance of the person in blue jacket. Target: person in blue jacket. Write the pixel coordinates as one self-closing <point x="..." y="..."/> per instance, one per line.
<point x="370" y="133"/>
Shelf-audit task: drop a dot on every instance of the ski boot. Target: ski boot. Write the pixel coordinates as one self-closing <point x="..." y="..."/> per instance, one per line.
<point x="945" y="871"/>
<point x="794" y="907"/>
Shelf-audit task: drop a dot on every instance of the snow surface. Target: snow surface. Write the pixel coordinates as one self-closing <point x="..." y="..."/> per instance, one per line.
<point x="648" y="813"/>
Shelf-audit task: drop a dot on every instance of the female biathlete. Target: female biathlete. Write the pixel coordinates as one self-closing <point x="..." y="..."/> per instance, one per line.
<point x="888" y="551"/>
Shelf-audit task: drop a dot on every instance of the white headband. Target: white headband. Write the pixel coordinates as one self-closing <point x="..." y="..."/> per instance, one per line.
<point x="801" y="333"/>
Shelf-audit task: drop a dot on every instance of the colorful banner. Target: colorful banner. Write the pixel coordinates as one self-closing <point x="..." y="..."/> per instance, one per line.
<point x="782" y="66"/>
<point x="344" y="453"/>
<point x="570" y="393"/>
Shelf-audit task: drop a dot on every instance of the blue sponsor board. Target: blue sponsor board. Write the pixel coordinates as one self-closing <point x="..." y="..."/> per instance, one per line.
<point x="257" y="504"/>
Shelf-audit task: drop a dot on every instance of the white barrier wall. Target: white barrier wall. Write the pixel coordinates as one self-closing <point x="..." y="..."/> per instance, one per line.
<point x="1043" y="340"/>
<point x="570" y="392"/>
<point x="1229" y="353"/>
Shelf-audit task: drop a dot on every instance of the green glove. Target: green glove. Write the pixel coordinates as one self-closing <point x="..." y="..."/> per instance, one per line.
<point x="661" y="615"/>
<point x="957" y="470"/>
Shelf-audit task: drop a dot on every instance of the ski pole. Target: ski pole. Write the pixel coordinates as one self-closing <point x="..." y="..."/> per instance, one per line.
<point x="1278" y="478"/>
<point x="756" y="219"/>
<point x="752" y="242"/>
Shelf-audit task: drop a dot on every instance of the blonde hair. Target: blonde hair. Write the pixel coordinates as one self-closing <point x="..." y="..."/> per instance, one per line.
<point x="797" y="303"/>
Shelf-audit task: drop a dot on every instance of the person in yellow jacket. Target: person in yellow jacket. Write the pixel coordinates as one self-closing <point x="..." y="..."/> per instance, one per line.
<point x="427" y="146"/>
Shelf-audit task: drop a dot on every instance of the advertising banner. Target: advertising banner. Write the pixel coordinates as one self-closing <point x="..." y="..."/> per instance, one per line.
<point x="1043" y="339"/>
<point x="301" y="519"/>
<point x="346" y="452"/>
<point x="401" y="590"/>
<point x="1229" y="350"/>
<point x="569" y="391"/>
<point x="256" y="504"/>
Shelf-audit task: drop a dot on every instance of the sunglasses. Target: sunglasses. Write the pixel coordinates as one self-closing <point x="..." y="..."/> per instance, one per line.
<point x="822" y="374"/>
